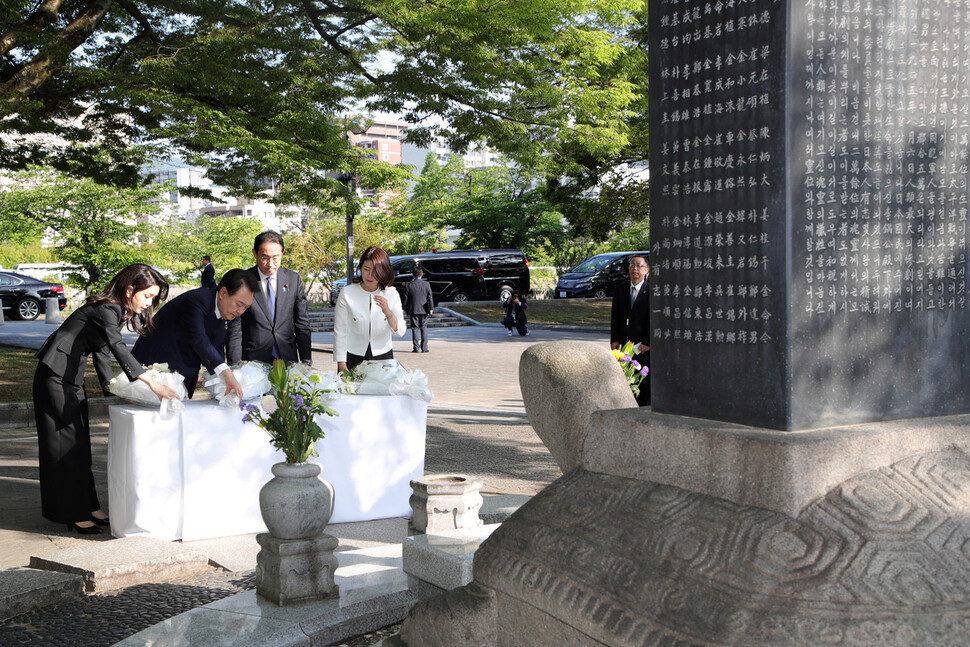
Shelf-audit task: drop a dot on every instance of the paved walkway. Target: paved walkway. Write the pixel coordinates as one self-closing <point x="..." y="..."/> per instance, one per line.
<point x="476" y="426"/>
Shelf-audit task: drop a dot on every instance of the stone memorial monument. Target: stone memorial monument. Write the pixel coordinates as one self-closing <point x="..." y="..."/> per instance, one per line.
<point x="804" y="475"/>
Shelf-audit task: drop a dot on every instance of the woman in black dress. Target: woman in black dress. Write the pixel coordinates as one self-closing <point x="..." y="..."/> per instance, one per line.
<point x="67" y="489"/>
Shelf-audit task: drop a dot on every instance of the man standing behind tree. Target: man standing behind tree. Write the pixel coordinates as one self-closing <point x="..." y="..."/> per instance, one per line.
<point x="208" y="273"/>
<point x="277" y="326"/>
<point x="418" y="303"/>
<point x="630" y="318"/>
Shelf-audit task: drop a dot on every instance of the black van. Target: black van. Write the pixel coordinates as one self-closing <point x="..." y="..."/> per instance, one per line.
<point x="597" y="276"/>
<point x="468" y="275"/>
<point x="462" y="275"/>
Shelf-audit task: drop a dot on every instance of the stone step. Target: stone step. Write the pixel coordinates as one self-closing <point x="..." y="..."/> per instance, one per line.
<point x="26" y="589"/>
<point x="120" y="563"/>
<point x="442" y="561"/>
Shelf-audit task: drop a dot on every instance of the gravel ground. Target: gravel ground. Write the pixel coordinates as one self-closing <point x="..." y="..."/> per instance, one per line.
<point x="105" y="618"/>
<point x="102" y="619"/>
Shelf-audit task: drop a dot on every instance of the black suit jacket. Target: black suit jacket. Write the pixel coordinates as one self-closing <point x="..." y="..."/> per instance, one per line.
<point x="91" y="330"/>
<point x="417" y="297"/>
<point x="630" y="324"/>
<point x="209" y="276"/>
<point x="252" y="335"/>
<point x="187" y="336"/>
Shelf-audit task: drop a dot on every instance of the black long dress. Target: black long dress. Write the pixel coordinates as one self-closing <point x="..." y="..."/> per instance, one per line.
<point x="67" y="490"/>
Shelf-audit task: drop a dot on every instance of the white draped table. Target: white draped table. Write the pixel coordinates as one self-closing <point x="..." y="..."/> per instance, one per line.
<point x="197" y="474"/>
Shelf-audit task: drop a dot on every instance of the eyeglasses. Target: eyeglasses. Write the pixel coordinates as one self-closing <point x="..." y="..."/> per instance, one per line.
<point x="640" y="266"/>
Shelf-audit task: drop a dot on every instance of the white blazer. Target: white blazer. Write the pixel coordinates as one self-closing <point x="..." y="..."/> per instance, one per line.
<point x="358" y="321"/>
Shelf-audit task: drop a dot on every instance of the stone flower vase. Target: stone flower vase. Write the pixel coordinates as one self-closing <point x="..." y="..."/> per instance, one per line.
<point x="296" y="503"/>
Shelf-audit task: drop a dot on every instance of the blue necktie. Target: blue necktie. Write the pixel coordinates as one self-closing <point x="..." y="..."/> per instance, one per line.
<point x="271" y="299"/>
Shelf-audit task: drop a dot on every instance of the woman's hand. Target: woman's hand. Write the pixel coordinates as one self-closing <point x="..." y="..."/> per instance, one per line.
<point x="341" y="367"/>
<point x="163" y="392"/>
<point x="382" y="304"/>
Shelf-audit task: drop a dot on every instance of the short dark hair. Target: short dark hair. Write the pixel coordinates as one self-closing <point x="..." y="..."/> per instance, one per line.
<point x="382" y="266"/>
<point x="205" y="257"/>
<point x="236" y="278"/>
<point x="138" y="277"/>
<point x="267" y="237"/>
<point x="418" y="270"/>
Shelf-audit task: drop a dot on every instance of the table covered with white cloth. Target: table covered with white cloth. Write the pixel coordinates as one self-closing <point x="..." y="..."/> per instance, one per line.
<point x="197" y="473"/>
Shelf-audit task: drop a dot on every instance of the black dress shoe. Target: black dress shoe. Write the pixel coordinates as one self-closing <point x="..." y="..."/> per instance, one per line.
<point x="81" y="530"/>
<point x="101" y="522"/>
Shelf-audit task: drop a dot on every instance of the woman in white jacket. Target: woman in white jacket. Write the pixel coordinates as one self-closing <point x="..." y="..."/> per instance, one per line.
<point x="367" y="312"/>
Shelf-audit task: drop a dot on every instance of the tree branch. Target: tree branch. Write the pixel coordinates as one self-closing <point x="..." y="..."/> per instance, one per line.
<point x="334" y="42"/>
<point x="45" y="14"/>
<point x="53" y="56"/>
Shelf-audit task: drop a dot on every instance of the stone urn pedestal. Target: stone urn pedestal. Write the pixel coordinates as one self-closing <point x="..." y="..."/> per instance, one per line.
<point x="296" y="561"/>
<point x="442" y="502"/>
<point x="296" y="570"/>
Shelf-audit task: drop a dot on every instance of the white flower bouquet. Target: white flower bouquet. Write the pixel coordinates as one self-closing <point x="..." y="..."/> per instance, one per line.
<point x="253" y="377"/>
<point x="326" y="382"/>
<point x="388" y="377"/>
<point x="139" y="392"/>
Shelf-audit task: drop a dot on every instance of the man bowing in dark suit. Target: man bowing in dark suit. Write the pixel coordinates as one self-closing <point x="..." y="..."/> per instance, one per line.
<point x="418" y="303"/>
<point x="190" y="330"/>
<point x="277" y="326"/>
<point x="630" y="318"/>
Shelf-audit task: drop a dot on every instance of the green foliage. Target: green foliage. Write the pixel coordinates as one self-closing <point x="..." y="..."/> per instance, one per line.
<point x="319" y="253"/>
<point x="255" y="89"/>
<point x="495" y="207"/>
<point x="179" y="246"/>
<point x="12" y="253"/>
<point x="93" y="226"/>
<point x="417" y="222"/>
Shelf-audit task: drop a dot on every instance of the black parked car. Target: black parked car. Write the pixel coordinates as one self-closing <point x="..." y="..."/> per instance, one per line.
<point x="462" y="275"/>
<point x="25" y="297"/>
<point x="597" y="276"/>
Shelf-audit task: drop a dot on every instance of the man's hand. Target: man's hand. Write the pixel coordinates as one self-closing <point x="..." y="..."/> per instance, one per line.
<point x="615" y="345"/>
<point x="643" y="348"/>
<point x="232" y="384"/>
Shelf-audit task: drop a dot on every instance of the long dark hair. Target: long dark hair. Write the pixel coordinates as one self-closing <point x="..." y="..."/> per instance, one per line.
<point x="138" y="277"/>
<point x="383" y="271"/>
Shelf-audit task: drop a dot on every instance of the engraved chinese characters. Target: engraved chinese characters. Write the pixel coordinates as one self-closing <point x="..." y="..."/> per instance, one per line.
<point x="809" y="220"/>
<point x="717" y="218"/>
<point x="883" y="130"/>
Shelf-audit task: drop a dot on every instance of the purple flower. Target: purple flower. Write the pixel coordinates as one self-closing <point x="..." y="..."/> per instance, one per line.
<point x="627" y="358"/>
<point x="645" y="370"/>
<point x="636" y="365"/>
<point x="298" y="399"/>
<point x="250" y="407"/>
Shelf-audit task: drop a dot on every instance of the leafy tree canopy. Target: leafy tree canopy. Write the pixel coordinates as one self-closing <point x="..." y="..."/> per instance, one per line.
<point x="179" y="245"/>
<point x="92" y="225"/>
<point x="259" y="88"/>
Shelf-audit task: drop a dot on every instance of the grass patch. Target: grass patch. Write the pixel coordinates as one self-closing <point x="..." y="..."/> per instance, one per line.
<point x="563" y="312"/>
<point x="17" y="366"/>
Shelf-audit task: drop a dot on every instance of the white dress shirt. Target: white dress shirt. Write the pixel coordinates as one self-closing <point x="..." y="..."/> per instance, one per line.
<point x="358" y="321"/>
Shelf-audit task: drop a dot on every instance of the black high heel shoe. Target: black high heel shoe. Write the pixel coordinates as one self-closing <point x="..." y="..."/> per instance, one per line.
<point x="81" y="530"/>
<point x="101" y="522"/>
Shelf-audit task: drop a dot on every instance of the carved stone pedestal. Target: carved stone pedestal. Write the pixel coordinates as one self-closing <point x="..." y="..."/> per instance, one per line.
<point x="684" y="531"/>
<point x="443" y="502"/>
<point x="296" y="570"/>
